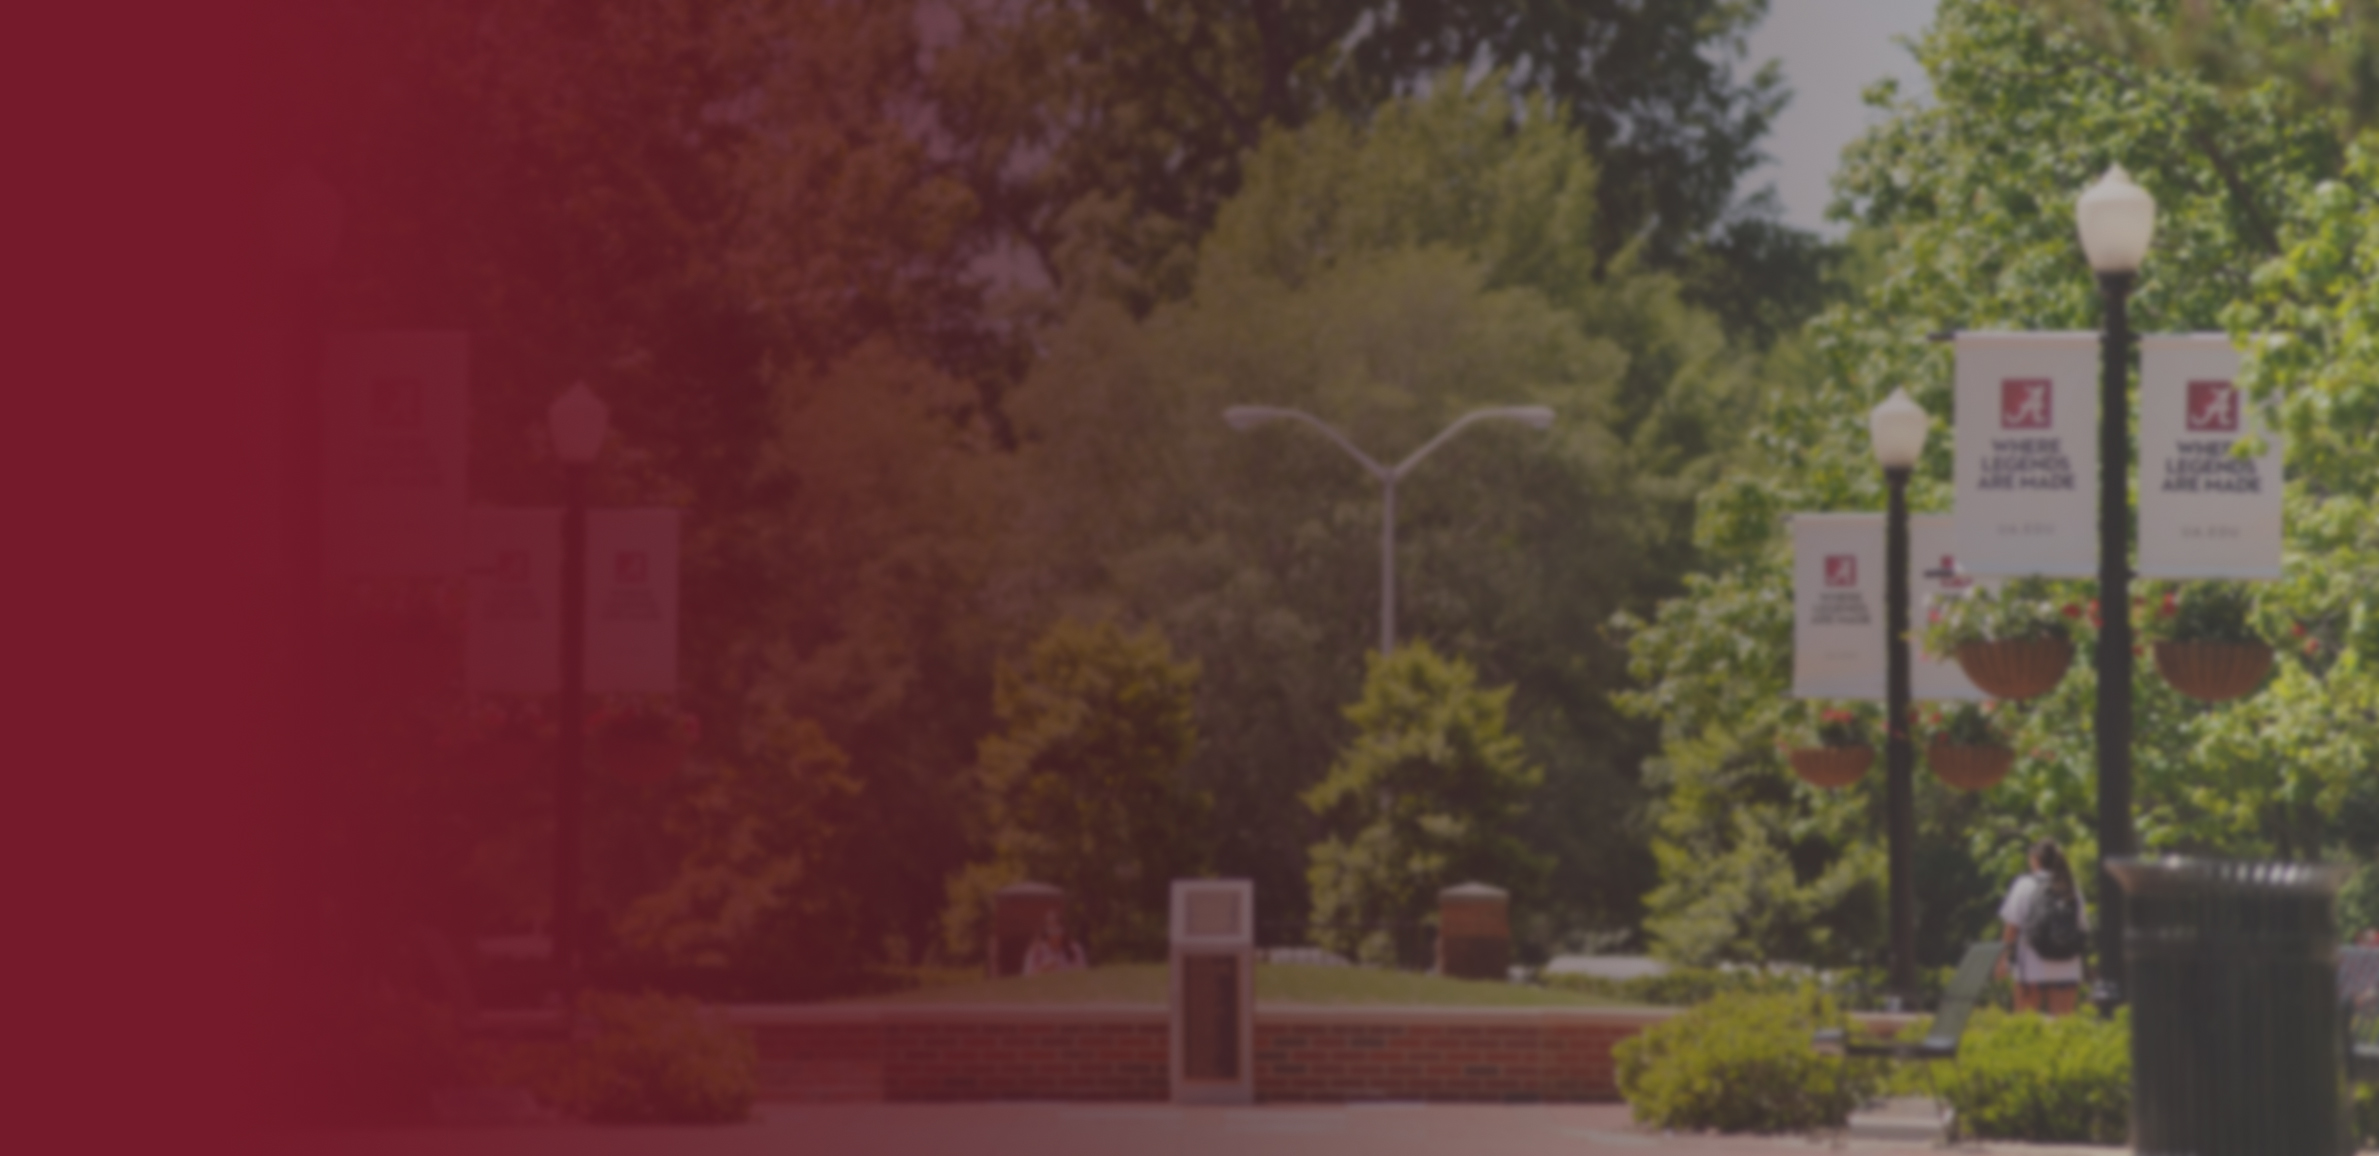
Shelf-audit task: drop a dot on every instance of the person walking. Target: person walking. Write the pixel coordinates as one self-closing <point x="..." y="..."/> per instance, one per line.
<point x="2047" y="929"/>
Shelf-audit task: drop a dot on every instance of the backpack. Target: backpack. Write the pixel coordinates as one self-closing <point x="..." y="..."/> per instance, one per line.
<point x="2053" y="926"/>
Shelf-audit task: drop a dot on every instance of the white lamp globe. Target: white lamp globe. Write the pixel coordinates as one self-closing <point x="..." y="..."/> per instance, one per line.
<point x="1898" y="429"/>
<point x="577" y="421"/>
<point x="2117" y="220"/>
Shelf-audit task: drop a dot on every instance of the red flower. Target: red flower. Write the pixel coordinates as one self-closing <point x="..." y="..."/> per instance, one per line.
<point x="2073" y="611"/>
<point x="2298" y="628"/>
<point x="2172" y="604"/>
<point x="2312" y="646"/>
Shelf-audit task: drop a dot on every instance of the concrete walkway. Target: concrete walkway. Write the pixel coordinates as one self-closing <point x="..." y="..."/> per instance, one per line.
<point x="1042" y="1129"/>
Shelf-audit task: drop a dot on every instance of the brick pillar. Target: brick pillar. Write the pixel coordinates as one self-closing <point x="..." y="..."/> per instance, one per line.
<point x="1474" y="932"/>
<point x="1017" y="912"/>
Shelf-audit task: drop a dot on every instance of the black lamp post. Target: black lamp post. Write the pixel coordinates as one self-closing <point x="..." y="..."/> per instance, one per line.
<point x="577" y="422"/>
<point x="1897" y="428"/>
<point x="2117" y="220"/>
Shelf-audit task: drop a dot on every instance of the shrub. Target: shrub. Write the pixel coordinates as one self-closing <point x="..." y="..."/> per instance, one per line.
<point x="1857" y="989"/>
<point x="2027" y="1077"/>
<point x="1742" y="1063"/>
<point x="1681" y="986"/>
<point x="649" y="1059"/>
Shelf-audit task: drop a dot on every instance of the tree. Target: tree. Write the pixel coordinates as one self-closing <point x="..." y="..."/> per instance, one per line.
<point x="1132" y="118"/>
<point x="1083" y="788"/>
<point x="1964" y="219"/>
<point x="1426" y="795"/>
<point x="722" y="216"/>
<point x="758" y="841"/>
<point x="1387" y="276"/>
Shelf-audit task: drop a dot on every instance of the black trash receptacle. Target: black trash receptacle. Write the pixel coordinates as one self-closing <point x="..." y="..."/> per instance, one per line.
<point x="2236" y="1042"/>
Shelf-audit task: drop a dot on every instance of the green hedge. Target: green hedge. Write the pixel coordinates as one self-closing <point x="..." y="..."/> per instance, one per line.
<point x="643" y="1059"/>
<point x="1742" y="1062"/>
<point x="1859" y="989"/>
<point x="2028" y="1077"/>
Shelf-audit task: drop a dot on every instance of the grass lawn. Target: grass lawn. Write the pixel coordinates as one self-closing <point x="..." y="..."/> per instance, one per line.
<point x="1144" y="983"/>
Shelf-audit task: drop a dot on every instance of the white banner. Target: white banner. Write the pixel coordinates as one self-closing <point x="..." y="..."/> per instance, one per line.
<point x="2204" y="512"/>
<point x="396" y="418"/>
<point x="2027" y="453"/>
<point x="631" y="601"/>
<point x="1934" y="574"/>
<point x="514" y="640"/>
<point x="1838" y="606"/>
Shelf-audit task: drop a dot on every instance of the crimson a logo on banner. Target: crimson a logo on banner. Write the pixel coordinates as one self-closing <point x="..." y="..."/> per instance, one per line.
<point x="1842" y="570"/>
<point x="1947" y="574"/>
<point x="2024" y="403"/>
<point x="2213" y="407"/>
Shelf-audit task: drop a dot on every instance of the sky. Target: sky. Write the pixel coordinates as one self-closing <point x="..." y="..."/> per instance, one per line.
<point x="1830" y="49"/>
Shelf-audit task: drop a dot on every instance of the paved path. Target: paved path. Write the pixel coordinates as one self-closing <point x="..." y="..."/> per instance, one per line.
<point x="1116" y="1130"/>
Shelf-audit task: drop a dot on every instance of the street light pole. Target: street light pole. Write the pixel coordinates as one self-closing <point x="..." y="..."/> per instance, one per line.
<point x="2117" y="220"/>
<point x="577" y="422"/>
<point x="1245" y="417"/>
<point x="567" y="800"/>
<point x="1898" y="428"/>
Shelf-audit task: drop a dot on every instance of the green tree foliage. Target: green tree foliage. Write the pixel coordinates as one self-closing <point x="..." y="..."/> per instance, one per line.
<point x="1132" y="119"/>
<point x="756" y="835"/>
<point x="1965" y="211"/>
<point x="1387" y="278"/>
<point x="1083" y="787"/>
<point x="1427" y="794"/>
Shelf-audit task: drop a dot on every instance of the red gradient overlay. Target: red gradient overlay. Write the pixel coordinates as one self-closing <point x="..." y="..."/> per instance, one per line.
<point x="149" y="703"/>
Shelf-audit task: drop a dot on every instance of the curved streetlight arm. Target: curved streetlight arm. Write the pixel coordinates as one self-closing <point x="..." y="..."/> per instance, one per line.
<point x="1245" y="416"/>
<point x="1535" y="415"/>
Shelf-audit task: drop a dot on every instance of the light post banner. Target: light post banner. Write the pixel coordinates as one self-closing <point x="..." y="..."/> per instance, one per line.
<point x="632" y="601"/>
<point x="2204" y="511"/>
<point x="2027" y="454"/>
<point x="395" y="428"/>
<point x="514" y="640"/>
<point x="1838" y="606"/>
<point x="1935" y="576"/>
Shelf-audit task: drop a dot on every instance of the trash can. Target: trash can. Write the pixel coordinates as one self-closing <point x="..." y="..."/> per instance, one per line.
<point x="2237" y="1048"/>
<point x="1474" y="932"/>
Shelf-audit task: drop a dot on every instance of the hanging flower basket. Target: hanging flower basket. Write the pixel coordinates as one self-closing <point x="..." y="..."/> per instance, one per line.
<point x="1968" y="768"/>
<point x="1832" y="767"/>
<point x="638" y="760"/>
<point x="2016" y="668"/>
<point x="2214" y="671"/>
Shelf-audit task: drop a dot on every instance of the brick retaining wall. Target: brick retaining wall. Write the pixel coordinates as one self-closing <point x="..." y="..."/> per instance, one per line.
<point x="1327" y="1054"/>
